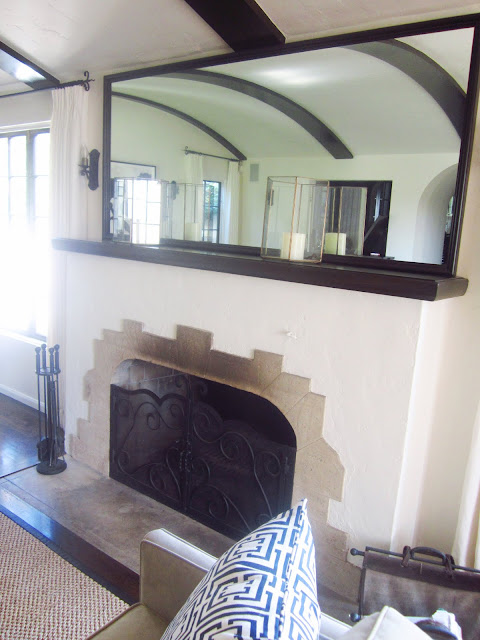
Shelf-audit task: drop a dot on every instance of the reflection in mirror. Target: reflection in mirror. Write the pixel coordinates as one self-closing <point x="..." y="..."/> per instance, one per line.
<point x="382" y="120"/>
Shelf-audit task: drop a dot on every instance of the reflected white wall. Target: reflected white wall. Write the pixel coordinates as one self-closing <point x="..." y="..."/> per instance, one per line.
<point x="432" y="215"/>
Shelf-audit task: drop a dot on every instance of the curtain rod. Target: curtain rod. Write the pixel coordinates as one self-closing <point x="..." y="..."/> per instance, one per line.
<point x="85" y="83"/>
<point x="209" y="155"/>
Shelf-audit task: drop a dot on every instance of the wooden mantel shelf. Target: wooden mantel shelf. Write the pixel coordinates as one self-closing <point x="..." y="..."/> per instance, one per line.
<point x="385" y="282"/>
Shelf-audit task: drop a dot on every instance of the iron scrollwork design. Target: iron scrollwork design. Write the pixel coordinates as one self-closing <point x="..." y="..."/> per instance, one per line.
<point x="179" y="449"/>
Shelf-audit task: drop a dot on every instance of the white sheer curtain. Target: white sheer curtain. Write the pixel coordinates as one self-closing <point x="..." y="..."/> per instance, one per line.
<point x="231" y="201"/>
<point x="194" y="176"/>
<point x="68" y="189"/>
<point x="466" y="548"/>
<point x="68" y="199"/>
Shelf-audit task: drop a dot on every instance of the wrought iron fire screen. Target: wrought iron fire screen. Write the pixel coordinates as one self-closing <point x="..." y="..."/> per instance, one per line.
<point x="223" y="456"/>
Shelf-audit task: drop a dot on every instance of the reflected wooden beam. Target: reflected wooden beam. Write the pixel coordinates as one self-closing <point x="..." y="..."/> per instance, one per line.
<point x="315" y="127"/>
<point x="25" y="70"/>
<point x="241" y="23"/>
<point x="433" y="78"/>
<point x="184" y="116"/>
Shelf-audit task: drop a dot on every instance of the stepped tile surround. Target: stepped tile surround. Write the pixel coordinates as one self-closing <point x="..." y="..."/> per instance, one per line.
<point x="319" y="474"/>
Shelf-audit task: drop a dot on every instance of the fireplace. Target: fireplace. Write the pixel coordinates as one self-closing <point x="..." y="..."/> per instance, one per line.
<point x="221" y="455"/>
<point x="318" y="473"/>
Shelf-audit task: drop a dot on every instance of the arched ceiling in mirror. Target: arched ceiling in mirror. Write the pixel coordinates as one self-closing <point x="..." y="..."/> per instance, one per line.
<point x="430" y="76"/>
<point x="335" y="85"/>
<point x="184" y="116"/>
<point x="450" y="49"/>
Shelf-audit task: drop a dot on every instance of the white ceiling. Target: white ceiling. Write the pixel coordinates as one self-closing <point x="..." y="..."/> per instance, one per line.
<point x="66" y="37"/>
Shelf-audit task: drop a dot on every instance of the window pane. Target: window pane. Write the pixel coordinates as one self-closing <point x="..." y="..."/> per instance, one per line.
<point x="3" y="157"/>
<point x="211" y="210"/>
<point x="41" y="146"/>
<point x="18" y="156"/>
<point x="39" y="292"/>
<point x="153" y="213"/>
<point x="24" y="245"/>
<point x="41" y="197"/>
<point x="18" y="198"/>
<point x="4" y="199"/>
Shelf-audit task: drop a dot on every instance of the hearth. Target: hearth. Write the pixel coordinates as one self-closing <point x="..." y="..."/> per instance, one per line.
<point x="221" y="455"/>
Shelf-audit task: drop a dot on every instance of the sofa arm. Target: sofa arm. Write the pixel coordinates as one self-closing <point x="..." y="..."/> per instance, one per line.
<point x="331" y="628"/>
<point x="170" y="568"/>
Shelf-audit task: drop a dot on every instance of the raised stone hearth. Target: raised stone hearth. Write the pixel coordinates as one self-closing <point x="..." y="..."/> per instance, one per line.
<point x="319" y="474"/>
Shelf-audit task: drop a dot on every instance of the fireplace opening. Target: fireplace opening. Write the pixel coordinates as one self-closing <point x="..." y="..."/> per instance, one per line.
<point x="221" y="455"/>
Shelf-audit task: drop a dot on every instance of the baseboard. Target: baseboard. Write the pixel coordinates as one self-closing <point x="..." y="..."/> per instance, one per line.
<point x="21" y="397"/>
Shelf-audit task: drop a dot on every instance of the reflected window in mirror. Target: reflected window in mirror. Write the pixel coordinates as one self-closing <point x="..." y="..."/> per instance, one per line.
<point x="386" y="118"/>
<point x="211" y="210"/>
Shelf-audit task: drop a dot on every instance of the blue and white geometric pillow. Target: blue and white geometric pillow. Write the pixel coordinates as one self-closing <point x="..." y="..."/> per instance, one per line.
<point x="246" y="593"/>
<point x="302" y="611"/>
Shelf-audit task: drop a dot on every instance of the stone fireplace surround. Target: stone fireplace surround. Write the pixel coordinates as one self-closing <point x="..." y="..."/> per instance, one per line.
<point x="319" y="474"/>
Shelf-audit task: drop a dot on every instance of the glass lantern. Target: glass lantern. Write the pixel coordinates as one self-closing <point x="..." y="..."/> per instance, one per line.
<point x="294" y="222"/>
<point x="345" y="225"/>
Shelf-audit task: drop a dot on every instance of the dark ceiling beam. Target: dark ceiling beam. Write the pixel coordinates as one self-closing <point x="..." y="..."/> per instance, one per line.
<point x="184" y="116"/>
<point x="25" y="70"/>
<point x="433" y="78"/>
<point x="241" y="23"/>
<point x="315" y="127"/>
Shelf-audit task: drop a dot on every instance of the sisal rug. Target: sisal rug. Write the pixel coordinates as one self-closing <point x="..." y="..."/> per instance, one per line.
<point x="43" y="596"/>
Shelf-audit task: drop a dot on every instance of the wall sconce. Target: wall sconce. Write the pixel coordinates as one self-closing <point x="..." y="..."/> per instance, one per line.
<point x="89" y="167"/>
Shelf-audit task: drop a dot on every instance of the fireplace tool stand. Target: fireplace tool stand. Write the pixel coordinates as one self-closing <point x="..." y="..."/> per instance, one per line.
<point x="51" y="436"/>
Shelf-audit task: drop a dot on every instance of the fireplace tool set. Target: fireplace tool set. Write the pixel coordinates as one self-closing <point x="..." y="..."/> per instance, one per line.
<point x="51" y="436"/>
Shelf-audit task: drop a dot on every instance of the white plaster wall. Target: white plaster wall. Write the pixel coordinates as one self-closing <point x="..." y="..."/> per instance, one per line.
<point x="446" y="395"/>
<point x="17" y="368"/>
<point x="28" y="109"/>
<point x="447" y="389"/>
<point x="358" y="349"/>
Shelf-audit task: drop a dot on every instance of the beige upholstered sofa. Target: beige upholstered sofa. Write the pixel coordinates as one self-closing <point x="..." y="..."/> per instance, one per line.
<point x="170" y="568"/>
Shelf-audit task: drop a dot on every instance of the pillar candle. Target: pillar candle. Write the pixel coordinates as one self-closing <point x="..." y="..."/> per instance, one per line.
<point x="193" y="231"/>
<point x="295" y="250"/>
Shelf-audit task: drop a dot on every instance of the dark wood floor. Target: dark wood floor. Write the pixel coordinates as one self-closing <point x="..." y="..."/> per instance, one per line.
<point x="18" y="436"/>
<point x="18" y="450"/>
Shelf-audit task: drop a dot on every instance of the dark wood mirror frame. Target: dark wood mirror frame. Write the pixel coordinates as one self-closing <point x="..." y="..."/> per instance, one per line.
<point x="407" y="279"/>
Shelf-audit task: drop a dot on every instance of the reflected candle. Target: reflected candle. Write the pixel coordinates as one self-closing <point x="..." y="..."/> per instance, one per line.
<point x="293" y="246"/>
<point x="335" y="243"/>
<point x="193" y="231"/>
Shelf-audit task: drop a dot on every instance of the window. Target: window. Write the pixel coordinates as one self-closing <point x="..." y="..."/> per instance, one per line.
<point x="150" y="212"/>
<point x="211" y="210"/>
<point x="136" y="210"/>
<point x="24" y="245"/>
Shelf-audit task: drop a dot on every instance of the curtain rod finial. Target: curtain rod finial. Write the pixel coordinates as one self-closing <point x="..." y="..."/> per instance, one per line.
<point x="87" y="81"/>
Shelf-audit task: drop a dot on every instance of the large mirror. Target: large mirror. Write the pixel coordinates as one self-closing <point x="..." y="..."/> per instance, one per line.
<point x="383" y="122"/>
